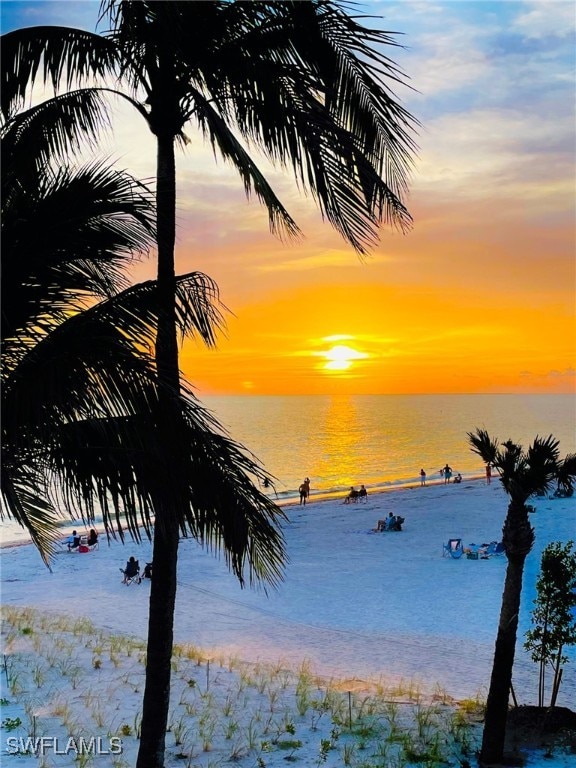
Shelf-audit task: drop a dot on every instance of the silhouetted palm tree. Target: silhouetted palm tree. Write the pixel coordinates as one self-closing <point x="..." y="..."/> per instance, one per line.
<point x="522" y="474"/>
<point x="79" y="390"/>
<point x="67" y="233"/>
<point x="305" y="83"/>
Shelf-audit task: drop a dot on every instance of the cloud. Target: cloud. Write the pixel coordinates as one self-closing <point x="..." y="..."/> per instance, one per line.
<point x="546" y="18"/>
<point x="498" y="153"/>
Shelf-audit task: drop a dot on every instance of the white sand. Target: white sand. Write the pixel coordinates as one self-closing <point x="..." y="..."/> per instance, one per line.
<point x="354" y="604"/>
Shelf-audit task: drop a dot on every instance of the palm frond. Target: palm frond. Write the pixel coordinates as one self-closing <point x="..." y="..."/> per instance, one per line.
<point x="25" y="500"/>
<point x="285" y="76"/>
<point x="483" y="445"/>
<point x="59" y="377"/>
<point x="56" y="56"/>
<point x="119" y="467"/>
<point x="222" y="138"/>
<point x="66" y="239"/>
<point x="50" y="130"/>
<point x="567" y="472"/>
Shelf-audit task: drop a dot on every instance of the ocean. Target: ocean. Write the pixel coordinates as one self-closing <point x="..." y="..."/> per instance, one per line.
<point x="383" y="441"/>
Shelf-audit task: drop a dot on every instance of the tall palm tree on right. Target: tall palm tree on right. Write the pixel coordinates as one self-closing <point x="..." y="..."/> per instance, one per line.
<point x="523" y="473"/>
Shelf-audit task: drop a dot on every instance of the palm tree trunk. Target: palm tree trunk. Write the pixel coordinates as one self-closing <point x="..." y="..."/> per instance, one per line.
<point x="501" y="679"/>
<point x="166" y="532"/>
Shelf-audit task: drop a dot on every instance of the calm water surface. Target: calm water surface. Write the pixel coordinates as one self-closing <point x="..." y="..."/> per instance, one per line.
<point x="379" y="440"/>
<point x="383" y="440"/>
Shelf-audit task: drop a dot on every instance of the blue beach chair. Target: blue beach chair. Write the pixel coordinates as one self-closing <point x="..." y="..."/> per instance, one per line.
<point x="494" y="549"/>
<point x="453" y="548"/>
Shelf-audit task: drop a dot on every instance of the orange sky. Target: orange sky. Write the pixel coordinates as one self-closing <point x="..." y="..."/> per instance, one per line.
<point x="479" y="297"/>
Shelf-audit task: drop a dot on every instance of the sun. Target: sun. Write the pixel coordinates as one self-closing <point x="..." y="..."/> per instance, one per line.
<point x="340" y="357"/>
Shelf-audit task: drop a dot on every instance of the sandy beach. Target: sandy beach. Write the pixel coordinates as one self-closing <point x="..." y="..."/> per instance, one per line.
<point x="384" y="610"/>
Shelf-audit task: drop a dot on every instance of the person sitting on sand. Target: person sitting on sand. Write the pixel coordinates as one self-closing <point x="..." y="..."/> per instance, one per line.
<point x="147" y="571"/>
<point x="352" y="496"/>
<point x="73" y="541"/>
<point x="132" y="569"/>
<point x="363" y="494"/>
<point x="457" y="478"/>
<point x="92" y="538"/>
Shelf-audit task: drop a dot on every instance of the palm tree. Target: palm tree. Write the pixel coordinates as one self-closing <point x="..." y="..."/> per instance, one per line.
<point x="67" y="232"/>
<point x="522" y="474"/>
<point x="79" y="391"/>
<point x="305" y="83"/>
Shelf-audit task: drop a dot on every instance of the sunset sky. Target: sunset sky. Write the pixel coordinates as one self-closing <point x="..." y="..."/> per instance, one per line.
<point x="479" y="297"/>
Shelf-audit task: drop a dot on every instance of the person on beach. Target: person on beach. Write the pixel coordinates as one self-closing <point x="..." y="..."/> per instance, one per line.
<point x="457" y="479"/>
<point x="488" y="474"/>
<point x="386" y="524"/>
<point x="131" y="571"/>
<point x="422" y="477"/>
<point x="447" y="472"/>
<point x="73" y="541"/>
<point x="92" y="538"/>
<point x="304" y="491"/>
<point x="363" y="494"/>
<point x="352" y="495"/>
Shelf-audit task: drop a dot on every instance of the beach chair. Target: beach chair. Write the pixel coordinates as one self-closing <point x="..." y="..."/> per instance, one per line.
<point x="131" y="573"/>
<point x="494" y="549"/>
<point x="453" y="548"/>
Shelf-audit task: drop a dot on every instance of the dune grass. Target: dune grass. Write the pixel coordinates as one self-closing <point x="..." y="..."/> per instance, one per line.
<point x="72" y="680"/>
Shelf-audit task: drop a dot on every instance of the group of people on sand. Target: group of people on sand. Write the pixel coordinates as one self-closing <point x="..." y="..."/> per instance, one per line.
<point x="354" y="495"/>
<point x="74" y="541"/>
<point x="445" y="472"/>
<point x="390" y="523"/>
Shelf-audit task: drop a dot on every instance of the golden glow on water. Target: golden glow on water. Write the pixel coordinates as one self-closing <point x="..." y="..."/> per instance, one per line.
<point x="340" y="442"/>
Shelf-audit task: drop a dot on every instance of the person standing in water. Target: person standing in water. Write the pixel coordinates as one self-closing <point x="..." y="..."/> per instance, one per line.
<point x="422" y="477"/>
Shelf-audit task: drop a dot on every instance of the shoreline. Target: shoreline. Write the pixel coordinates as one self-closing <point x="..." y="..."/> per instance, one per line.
<point x="318" y="497"/>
